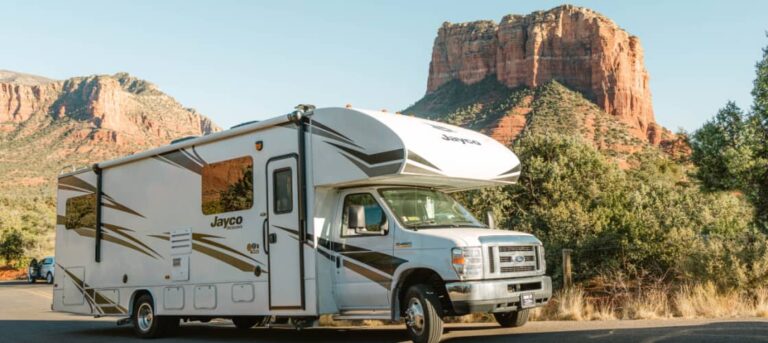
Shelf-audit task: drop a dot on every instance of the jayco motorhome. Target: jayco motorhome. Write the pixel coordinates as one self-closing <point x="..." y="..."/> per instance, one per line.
<point x="322" y="211"/>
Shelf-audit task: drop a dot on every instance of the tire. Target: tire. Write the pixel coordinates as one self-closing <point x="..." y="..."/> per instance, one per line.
<point x="49" y="278"/>
<point x="422" y="314"/>
<point x="146" y="324"/>
<point x="30" y="278"/>
<point x="245" y="323"/>
<point x="512" y="319"/>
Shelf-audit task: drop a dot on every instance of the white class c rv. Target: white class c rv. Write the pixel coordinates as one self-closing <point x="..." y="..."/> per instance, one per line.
<point x="335" y="211"/>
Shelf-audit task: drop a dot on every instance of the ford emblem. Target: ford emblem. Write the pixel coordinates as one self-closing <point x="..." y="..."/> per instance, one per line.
<point x="519" y="259"/>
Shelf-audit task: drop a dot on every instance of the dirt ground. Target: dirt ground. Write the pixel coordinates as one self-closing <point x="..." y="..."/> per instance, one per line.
<point x="11" y="273"/>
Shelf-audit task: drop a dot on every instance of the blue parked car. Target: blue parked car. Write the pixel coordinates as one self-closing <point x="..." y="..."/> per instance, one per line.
<point x="43" y="269"/>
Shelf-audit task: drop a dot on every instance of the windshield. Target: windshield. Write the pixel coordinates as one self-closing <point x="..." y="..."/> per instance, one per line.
<point x="417" y="208"/>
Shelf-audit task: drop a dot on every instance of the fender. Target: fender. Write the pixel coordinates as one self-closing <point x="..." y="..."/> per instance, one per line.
<point x="402" y="274"/>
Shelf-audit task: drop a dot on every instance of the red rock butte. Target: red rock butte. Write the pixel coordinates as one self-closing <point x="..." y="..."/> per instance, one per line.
<point x="110" y="108"/>
<point x="575" y="46"/>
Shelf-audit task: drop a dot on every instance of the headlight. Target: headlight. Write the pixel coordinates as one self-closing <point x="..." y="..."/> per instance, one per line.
<point x="467" y="262"/>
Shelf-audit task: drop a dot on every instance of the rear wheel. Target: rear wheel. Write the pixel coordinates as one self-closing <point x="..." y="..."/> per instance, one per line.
<point x="245" y="323"/>
<point x="146" y="324"/>
<point x="422" y="314"/>
<point x="512" y="319"/>
<point x="30" y="278"/>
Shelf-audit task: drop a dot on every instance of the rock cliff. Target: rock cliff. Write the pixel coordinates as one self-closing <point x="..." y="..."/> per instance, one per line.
<point x="47" y="124"/>
<point x="132" y="110"/>
<point x="574" y="46"/>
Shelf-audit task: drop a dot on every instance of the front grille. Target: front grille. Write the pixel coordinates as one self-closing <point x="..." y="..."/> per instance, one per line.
<point x="511" y="248"/>
<point x="517" y="269"/>
<point x="492" y="259"/>
<point x="506" y="259"/>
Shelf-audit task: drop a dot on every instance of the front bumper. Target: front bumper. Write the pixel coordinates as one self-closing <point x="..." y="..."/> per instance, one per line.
<point x="497" y="295"/>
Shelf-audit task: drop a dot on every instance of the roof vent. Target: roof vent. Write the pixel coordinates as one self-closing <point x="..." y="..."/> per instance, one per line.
<point x="182" y="139"/>
<point x="244" y="124"/>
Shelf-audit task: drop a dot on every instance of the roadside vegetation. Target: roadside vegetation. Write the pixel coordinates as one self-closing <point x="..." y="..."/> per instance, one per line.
<point x="660" y="237"/>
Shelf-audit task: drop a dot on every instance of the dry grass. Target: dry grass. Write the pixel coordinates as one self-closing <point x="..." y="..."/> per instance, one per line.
<point x="695" y="301"/>
<point x="704" y="301"/>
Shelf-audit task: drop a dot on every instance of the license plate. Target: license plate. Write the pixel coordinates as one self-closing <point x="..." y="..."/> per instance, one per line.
<point x="527" y="300"/>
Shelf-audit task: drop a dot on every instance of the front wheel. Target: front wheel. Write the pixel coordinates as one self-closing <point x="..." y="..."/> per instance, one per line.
<point x="422" y="315"/>
<point x="512" y="319"/>
<point x="49" y="278"/>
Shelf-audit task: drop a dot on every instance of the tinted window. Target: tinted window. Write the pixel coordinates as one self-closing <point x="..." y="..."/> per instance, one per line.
<point x="227" y="186"/>
<point x="283" y="189"/>
<point x="81" y="212"/>
<point x="375" y="219"/>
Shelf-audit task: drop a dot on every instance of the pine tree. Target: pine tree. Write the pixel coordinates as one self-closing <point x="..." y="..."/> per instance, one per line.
<point x="760" y="112"/>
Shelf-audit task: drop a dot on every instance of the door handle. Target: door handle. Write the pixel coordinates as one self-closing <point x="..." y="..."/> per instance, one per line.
<point x="338" y="261"/>
<point x="264" y="229"/>
<point x="272" y="238"/>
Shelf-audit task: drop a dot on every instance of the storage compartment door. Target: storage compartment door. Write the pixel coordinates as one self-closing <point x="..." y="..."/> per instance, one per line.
<point x="74" y="281"/>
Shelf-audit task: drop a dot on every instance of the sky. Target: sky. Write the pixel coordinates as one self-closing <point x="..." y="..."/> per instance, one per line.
<point x="237" y="61"/>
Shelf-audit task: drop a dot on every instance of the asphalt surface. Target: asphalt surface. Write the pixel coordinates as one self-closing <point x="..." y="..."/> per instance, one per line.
<point x="25" y="316"/>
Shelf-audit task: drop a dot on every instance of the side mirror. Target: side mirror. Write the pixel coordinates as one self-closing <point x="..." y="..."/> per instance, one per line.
<point x="356" y="217"/>
<point x="489" y="220"/>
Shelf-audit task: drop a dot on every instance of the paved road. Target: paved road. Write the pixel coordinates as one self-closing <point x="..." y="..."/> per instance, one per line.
<point x="25" y="316"/>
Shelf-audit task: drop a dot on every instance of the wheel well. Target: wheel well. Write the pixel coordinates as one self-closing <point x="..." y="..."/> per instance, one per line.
<point x="420" y="276"/>
<point x="136" y="296"/>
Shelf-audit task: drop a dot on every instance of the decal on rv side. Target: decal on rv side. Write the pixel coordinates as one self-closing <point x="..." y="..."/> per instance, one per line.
<point x="73" y="183"/>
<point x="95" y="299"/>
<point x="204" y="243"/>
<point x="114" y="234"/>
<point x="373" y="265"/>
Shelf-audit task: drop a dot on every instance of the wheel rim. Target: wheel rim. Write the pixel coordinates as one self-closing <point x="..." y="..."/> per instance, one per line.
<point x="144" y="317"/>
<point x="49" y="278"/>
<point x="414" y="316"/>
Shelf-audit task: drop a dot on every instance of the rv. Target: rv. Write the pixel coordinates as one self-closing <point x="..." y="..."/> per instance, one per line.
<point x="335" y="211"/>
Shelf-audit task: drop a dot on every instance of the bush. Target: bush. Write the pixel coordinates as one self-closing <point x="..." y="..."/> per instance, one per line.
<point x="12" y="246"/>
<point x="644" y="222"/>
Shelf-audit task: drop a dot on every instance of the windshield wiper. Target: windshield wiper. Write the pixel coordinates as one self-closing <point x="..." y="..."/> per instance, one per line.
<point x="472" y="224"/>
<point x="446" y="225"/>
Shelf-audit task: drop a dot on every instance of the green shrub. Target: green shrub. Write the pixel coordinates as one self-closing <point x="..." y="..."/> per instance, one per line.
<point x="12" y="246"/>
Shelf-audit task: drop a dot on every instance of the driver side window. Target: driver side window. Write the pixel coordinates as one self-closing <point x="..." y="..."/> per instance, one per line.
<point x="375" y="219"/>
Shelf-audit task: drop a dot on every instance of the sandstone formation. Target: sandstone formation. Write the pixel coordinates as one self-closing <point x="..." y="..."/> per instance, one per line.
<point x="48" y="124"/>
<point x="577" y="47"/>
<point x="117" y="108"/>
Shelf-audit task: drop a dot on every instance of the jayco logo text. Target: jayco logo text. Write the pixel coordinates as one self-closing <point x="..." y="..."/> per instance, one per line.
<point x="462" y="140"/>
<point x="228" y="223"/>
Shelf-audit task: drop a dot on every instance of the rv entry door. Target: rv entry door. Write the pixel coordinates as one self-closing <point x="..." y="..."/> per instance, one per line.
<point x="282" y="234"/>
